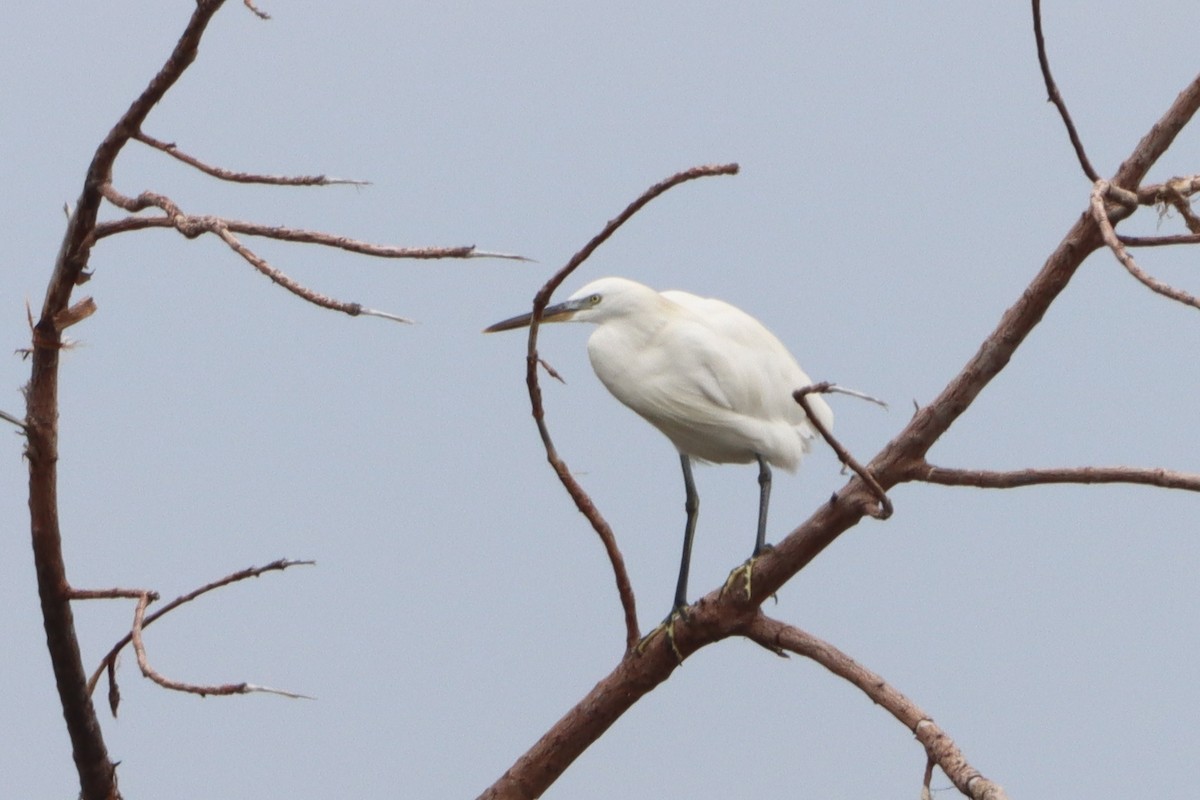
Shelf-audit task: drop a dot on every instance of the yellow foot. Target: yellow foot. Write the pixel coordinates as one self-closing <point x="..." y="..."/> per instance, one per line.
<point x="667" y="626"/>
<point x="746" y="572"/>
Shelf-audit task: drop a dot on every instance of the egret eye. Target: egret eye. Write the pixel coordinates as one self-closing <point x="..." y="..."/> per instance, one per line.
<point x="594" y="300"/>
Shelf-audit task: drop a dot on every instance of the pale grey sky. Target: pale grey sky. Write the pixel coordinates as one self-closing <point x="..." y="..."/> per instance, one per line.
<point x="902" y="180"/>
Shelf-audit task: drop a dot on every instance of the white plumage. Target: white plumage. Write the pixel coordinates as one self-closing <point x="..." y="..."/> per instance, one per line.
<point x="712" y="378"/>
<point x="707" y="374"/>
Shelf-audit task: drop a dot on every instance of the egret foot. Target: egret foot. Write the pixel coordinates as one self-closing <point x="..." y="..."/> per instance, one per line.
<point x="745" y="571"/>
<point x="667" y="626"/>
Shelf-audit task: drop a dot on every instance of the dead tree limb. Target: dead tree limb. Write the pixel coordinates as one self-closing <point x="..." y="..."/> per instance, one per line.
<point x="96" y="771"/>
<point x="716" y="615"/>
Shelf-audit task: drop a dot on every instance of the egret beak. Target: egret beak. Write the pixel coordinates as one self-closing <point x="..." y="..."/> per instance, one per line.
<point x="556" y="313"/>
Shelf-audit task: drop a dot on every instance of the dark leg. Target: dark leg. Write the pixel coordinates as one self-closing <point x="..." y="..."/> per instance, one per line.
<point x="692" y="506"/>
<point x="764" y="497"/>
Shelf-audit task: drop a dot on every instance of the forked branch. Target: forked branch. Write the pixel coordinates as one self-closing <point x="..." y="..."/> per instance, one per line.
<point x="139" y="648"/>
<point x="1100" y="193"/>
<point x="108" y="663"/>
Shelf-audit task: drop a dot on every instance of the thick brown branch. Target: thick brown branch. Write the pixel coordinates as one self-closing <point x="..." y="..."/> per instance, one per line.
<point x="1055" y="97"/>
<point x="97" y="774"/>
<point x="1100" y="193"/>
<point x="1011" y="479"/>
<point x="242" y="177"/>
<point x="541" y="765"/>
<point x="637" y="674"/>
<point x="939" y="747"/>
<point x="907" y="449"/>
<point x="932" y="420"/>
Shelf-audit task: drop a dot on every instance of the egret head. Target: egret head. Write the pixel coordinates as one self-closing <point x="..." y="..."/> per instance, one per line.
<point x="600" y="300"/>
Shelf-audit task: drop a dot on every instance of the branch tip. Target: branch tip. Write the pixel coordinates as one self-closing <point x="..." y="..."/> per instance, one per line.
<point x="370" y="312"/>
<point x="885" y="508"/>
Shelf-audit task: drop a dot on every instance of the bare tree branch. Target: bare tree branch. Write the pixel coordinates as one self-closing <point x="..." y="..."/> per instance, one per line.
<point x="718" y="615"/>
<point x="297" y="235"/>
<point x="242" y="177"/>
<point x="108" y="663"/>
<point x="582" y="501"/>
<point x="316" y="298"/>
<point x="9" y="418"/>
<point x="97" y="775"/>
<point x="139" y="649"/>
<point x="192" y="227"/>
<point x="255" y="9"/>
<point x="1055" y="97"/>
<point x="1159" y="241"/>
<point x="1011" y="479"/>
<point x="885" y="508"/>
<point x="96" y="771"/>
<point x="1101" y="191"/>
<point x="940" y="748"/>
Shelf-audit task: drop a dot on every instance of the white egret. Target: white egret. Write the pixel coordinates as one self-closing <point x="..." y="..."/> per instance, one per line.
<point x="712" y="378"/>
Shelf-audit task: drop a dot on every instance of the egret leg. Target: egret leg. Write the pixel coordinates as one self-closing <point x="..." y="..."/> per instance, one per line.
<point x="746" y="571"/>
<point x="691" y="505"/>
<point x="764" y="498"/>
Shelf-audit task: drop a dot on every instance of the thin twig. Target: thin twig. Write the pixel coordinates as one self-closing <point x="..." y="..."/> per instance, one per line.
<point x="1102" y="191"/>
<point x="551" y="371"/>
<point x="1159" y="241"/>
<point x="255" y="9"/>
<point x="7" y="417"/>
<point x="582" y="501"/>
<point x="193" y="226"/>
<point x="1011" y="479"/>
<point x="301" y="291"/>
<point x="939" y="747"/>
<point x="885" y="508"/>
<point x="112" y="594"/>
<point x="243" y="177"/>
<point x="139" y="648"/>
<point x="110" y="659"/>
<point x="1054" y="96"/>
<point x="542" y="299"/>
<point x="300" y="236"/>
